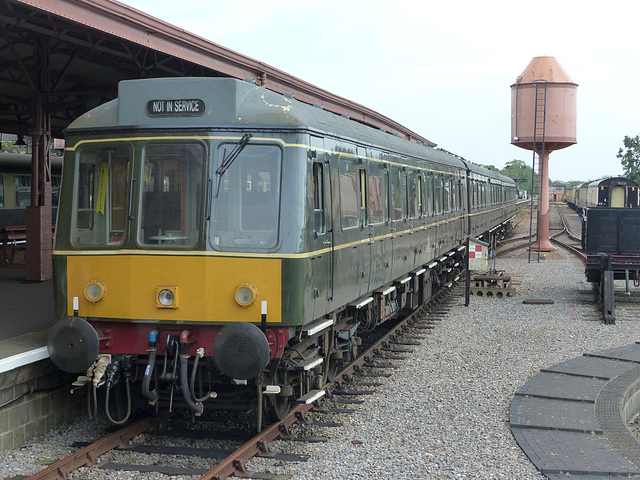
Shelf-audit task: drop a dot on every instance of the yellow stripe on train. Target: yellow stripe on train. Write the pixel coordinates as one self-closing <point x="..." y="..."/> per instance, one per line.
<point x="206" y="289"/>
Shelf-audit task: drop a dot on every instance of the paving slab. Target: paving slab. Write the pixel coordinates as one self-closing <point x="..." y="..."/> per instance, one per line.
<point x="563" y="387"/>
<point x="552" y="414"/>
<point x="593" y="367"/>
<point x="629" y="353"/>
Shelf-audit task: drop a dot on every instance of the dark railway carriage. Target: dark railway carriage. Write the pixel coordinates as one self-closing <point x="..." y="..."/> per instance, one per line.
<point x="15" y="187"/>
<point x="213" y="219"/>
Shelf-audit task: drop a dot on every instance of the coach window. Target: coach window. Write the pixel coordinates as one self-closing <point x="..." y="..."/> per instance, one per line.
<point x="397" y="194"/>
<point x="429" y="195"/>
<point x="101" y="197"/>
<point x="318" y="198"/>
<point x="246" y="199"/>
<point x="23" y="190"/>
<point x="348" y="194"/>
<point x="1" y="191"/>
<point x="362" y="186"/>
<point x="437" y="194"/>
<point x="413" y="194"/>
<point x="420" y="195"/>
<point x="446" y="191"/>
<point x="377" y="191"/>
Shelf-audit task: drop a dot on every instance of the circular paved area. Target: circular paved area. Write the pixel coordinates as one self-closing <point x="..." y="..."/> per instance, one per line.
<point x="570" y="419"/>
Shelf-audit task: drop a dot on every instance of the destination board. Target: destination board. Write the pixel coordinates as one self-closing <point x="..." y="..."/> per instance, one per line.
<point x="192" y="107"/>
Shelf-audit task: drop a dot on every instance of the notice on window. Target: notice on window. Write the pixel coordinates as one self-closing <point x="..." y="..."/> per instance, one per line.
<point x="102" y="187"/>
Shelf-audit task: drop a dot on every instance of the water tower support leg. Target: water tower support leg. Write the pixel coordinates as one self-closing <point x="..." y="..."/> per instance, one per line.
<point x="543" y="228"/>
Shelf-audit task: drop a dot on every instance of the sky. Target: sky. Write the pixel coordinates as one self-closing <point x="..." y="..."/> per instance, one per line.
<point x="444" y="69"/>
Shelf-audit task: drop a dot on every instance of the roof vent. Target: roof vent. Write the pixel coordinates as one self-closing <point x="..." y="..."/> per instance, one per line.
<point x="319" y="105"/>
<point x="345" y="115"/>
<point x="289" y="95"/>
<point x="250" y="80"/>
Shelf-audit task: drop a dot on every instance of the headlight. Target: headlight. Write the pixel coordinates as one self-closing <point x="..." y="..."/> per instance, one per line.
<point x="95" y="291"/>
<point x="167" y="297"/>
<point x="245" y="294"/>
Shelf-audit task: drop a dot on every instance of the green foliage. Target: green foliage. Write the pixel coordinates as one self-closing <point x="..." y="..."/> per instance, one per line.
<point x="630" y="158"/>
<point x="573" y="183"/>
<point x="521" y="174"/>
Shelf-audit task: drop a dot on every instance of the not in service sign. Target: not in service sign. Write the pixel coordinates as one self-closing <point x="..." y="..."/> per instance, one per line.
<point x="191" y="107"/>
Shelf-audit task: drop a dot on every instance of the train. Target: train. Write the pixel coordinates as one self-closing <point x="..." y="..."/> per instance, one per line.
<point x="614" y="192"/>
<point x="15" y="186"/>
<point x="217" y="240"/>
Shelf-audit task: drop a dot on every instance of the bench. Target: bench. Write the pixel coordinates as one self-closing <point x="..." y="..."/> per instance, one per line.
<point x="13" y="240"/>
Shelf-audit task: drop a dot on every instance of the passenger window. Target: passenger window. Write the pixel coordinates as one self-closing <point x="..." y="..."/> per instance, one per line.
<point x="100" y="202"/>
<point x="437" y="194"/>
<point x="377" y="194"/>
<point x="446" y="190"/>
<point x="398" y="194"/>
<point x="1" y="191"/>
<point x="362" y="185"/>
<point x="348" y="194"/>
<point x="318" y="198"/>
<point x="246" y="205"/>
<point x="413" y="192"/>
<point x="429" y="195"/>
<point x="23" y="190"/>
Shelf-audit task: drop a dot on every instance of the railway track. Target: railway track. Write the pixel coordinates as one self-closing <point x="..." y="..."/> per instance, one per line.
<point x="573" y="245"/>
<point x="394" y="344"/>
<point x="558" y="223"/>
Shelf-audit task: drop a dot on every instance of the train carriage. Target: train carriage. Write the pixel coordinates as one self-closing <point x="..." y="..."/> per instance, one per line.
<point x="15" y="187"/>
<point x="211" y="218"/>
<point x="614" y="192"/>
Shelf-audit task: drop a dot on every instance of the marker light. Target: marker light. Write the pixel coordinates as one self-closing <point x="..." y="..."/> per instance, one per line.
<point x="245" y="294"/>
<point x="95" y="291"/>
<point x="167" y="297"/>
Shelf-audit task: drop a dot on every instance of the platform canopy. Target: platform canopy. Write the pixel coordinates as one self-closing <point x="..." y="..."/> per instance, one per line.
<point x="61" y="58"/>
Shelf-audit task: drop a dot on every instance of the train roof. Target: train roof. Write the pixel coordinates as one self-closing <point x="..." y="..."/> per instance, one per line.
<point x="175" y="103"/>
<point x="613" y="181"/>
<point x="22" y="161"/>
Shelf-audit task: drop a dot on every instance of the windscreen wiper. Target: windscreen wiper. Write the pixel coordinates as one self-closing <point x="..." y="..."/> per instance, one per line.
<point x="229" y="159"/>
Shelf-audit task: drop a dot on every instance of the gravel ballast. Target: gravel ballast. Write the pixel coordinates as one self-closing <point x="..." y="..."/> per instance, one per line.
<point x="444" y="412"/>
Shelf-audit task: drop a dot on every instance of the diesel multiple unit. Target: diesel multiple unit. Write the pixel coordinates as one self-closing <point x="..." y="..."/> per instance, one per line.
<point x="216" y="239"/>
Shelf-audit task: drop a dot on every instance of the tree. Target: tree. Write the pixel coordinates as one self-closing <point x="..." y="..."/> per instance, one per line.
<point x="630" y="158"/>
<point x="521" y="173"/>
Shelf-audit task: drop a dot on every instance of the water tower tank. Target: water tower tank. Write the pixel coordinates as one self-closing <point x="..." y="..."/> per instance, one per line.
<point x="560" y="103"/>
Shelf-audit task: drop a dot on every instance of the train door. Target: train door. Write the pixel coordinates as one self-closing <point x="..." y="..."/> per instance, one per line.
<point x="321" y="224"/>
<point x="377" y="200"/>
<point x="398" y="204"/>
<point x="618" y="196"/>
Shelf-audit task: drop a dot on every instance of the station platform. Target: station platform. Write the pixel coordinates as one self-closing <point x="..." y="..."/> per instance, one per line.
<point x="26" y="314"/>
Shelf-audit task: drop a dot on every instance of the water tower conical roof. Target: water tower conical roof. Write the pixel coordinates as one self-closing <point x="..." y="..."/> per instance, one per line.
<point x="544" y="68"/>
<point x="543" y="107"/>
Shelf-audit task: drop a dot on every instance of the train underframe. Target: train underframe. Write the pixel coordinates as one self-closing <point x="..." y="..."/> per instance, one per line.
<point x="175" y="373"/>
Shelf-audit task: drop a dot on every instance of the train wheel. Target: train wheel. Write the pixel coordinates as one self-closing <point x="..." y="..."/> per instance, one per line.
<point x="277" y="406"/>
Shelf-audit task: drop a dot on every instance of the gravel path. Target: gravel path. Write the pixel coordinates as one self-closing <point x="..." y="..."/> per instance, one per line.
<point x="444" y="413"/>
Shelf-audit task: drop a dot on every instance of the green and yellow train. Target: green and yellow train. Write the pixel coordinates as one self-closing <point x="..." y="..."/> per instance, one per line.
<point x="222" y="239"/>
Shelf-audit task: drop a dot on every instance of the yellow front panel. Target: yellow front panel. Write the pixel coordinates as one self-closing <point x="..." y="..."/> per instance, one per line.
<point x="205" y="286"/>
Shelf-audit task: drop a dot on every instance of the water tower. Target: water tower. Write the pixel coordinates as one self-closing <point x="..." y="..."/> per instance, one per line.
<point x="543" y="119"/>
